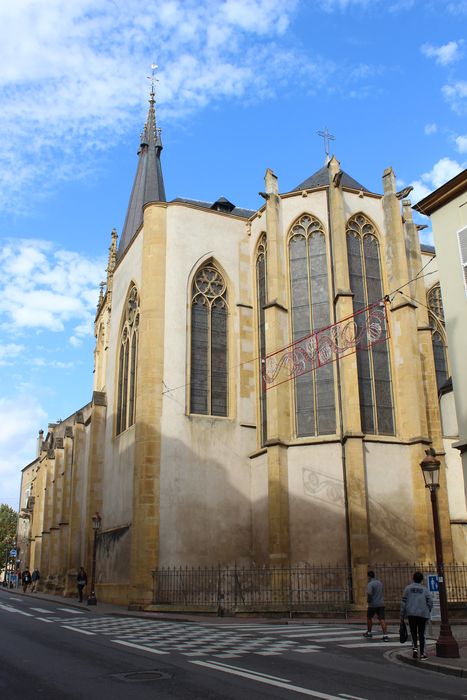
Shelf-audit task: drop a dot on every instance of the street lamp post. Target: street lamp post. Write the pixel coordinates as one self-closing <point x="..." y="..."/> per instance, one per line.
<point x="446" y="645"/>
<point x="96" y="526"/>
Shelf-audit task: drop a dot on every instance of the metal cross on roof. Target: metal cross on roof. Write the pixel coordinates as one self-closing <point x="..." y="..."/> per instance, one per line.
<point x="327" y="136"/>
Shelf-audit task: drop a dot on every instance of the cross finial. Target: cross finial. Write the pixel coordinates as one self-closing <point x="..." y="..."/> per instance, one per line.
<point x="153" y="80"/>
<point x="326" y="136"/>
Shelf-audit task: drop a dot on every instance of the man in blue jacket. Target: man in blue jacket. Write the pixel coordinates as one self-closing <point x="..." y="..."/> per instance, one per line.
<point x="416" y="605"/>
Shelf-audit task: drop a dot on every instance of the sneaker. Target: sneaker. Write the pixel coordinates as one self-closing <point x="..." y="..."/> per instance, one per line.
<point x="368" y="635"/>
<point x="385" y="638"/>
<point x="423" y="656"/>
<point x="415" y="653"/>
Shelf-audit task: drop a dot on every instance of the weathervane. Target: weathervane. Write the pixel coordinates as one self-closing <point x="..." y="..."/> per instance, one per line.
<point x="327" y="136"/>
<point x="153" y="79"/>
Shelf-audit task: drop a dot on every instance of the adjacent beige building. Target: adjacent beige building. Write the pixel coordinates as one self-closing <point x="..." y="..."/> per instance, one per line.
<point x="189" y="451"/>
<point x="447" y="208"/>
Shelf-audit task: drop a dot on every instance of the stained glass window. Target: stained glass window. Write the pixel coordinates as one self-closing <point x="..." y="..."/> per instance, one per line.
<point x="261" y="295"/>
<point x="436" y="318"/>
<point x="209" y="314"/>
<point x="315" y="412"/>
<point x="374" y="374"/>
<point x="127" y="363"/>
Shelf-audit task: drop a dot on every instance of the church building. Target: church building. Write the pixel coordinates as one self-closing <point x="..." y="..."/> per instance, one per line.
<point x="189" y="450"/>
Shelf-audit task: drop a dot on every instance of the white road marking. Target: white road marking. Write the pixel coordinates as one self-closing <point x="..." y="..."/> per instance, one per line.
<point x="346" y="639"/>
<point x="257" y="673"/>
<point x="371" y="644"/>
<point x="71" y="611"/>
<point x="352" y="697"/>
<point x="43" y="619"/>
<point x="138" y="646"/>
<point x="22" y="612"/>
<point x="76" y="629"/>
<point x="317" y="633"/>
<point x="16" y="599"/>
<point x="268" y="681"/>
<point x="43" y="610"/>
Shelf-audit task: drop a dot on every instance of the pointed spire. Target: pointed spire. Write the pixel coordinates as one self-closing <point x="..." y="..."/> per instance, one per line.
<point x="112" y="254"/>
<point x="112" y="262"/>
<point x="101" y="294"/>
<point x="148" y="185"/>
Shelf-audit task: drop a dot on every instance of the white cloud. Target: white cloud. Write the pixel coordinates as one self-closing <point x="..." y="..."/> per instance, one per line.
<point x="461" y="143"/>
<point x="20" y="418"/>
<point x="72" y="73"/>
<point x="459" y="7"/>
<point x="342" y="5"/>
<point x="456" y="95"/>
<point x="442" y="171"/>
<point x="45" y="288"/>
<point x="445" y="54"/>
<point x="430" y="129"/>
<point x="9" y="352"/>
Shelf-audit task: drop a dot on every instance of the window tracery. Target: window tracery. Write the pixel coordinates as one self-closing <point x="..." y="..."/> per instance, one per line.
<point x="315" y="411"/>
<point x="374" y="374"/>
<point x="127" y="363"/>
<point x="261" y="295"/>
<point x="209" y="313"/>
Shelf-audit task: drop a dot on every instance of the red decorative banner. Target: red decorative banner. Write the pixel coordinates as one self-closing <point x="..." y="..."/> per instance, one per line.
<point x="357" y="332"/>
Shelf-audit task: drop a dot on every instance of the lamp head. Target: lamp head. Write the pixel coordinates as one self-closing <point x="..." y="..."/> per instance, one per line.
<point x="430" y="468"/>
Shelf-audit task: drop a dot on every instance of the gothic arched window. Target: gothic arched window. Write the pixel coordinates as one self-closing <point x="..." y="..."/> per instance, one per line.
<point x="436" y="318"/>
<point x="374" y="374"/>
<point x="127" y="363"/>
<point x="315" y="411"/>
<point x="261" y="296"/>
<point x="209" y="313"/>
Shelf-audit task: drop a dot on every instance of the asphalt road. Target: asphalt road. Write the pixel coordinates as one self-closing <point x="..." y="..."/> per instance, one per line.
<point x="53" y="651"/>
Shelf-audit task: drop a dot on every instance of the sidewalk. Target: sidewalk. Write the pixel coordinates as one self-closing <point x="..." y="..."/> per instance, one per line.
<point x="451" y="667"/>
<point x="454" y="667"/>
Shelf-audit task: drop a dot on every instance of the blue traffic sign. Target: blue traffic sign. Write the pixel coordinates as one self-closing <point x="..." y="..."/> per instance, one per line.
<point x="12" y="552"/>
<point x="433" y="583"/>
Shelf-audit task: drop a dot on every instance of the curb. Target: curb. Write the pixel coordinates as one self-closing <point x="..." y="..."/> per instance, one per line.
<point x="430" y="666"/>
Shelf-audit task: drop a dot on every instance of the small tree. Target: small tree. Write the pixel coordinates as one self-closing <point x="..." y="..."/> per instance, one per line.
<point x="8" y="523"/>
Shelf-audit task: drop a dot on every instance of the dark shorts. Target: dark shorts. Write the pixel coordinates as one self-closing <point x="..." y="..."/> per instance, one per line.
<point x="379" y="612"/>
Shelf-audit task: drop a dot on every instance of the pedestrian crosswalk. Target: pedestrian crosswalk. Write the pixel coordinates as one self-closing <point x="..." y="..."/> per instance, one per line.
<point x="220" y="640"/>
<point x="223" y="641"/>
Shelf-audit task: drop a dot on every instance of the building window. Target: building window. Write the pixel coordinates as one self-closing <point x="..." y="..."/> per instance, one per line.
<point x="261" y="295"/>
<point x="315" y="411"/>
<point x="374" y="374"/>
<point x="209" y="313"/>
<point x="127" y="363"/>
<point x="436" y="319"/>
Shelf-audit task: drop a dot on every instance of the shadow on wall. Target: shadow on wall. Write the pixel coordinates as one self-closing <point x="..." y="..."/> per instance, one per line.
<point x="208" y="516"/>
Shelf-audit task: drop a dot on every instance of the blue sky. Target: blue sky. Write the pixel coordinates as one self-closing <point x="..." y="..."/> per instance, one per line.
<point x="243" y="85"/>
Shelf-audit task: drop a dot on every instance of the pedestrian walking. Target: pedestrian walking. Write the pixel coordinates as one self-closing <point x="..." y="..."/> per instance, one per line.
<point x="35" y="576"/>
<point x="375" y="596"/>
<point x="26" y="579"/>
<point x="416" y="605"/>
<point x="81" y="582"/>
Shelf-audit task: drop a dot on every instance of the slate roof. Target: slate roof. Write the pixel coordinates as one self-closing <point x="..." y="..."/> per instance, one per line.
<point x="236" y="211"/>
<point x="321" y="177"/>
<point x="427" y="248"/>
<point x="148" y="185"/>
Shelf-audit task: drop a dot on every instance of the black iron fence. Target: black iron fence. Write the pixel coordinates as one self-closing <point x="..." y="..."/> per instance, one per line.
<point x="253" y="587"/>
<point x="396" y="576"/>
<point x="306" y="587"/>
